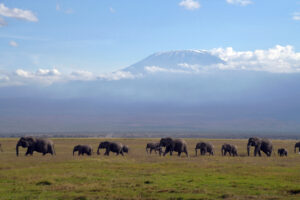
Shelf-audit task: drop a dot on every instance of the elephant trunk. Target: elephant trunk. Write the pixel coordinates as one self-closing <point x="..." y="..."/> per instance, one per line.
<point x="222" y="152"/>
<point x="248" y="150"/>
<point x="17" y="149"/>
<point x="73" y="151"/>
<point x="98" y="151"/>
<point x="295" y="149"/>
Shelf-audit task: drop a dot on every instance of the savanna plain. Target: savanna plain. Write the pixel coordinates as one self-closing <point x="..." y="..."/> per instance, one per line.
<point x="141" y="176"/>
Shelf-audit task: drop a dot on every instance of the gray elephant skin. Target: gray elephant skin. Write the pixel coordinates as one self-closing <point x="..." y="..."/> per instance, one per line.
<point x="282" y="152"/>
<point x="115" y="147"/>
<point x="83" y="149"/>
<point x="204" y="147"/>
<point x="259" y="144"/>
<point x="177" y="145"/>
<point x="230" y="149"/>
<point x="297" y="145"/>
<point x="40" y="145"/>
<point x="153" y="146"/>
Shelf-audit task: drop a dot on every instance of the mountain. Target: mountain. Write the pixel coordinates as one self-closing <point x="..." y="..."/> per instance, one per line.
<point x="183" y="93"/>
<point x="173" y="60"/>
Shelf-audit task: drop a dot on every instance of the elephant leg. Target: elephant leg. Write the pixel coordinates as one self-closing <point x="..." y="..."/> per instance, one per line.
<point x="151" y="151"/>
<point x="179" y="153"/>
<point x="122" y="153"/>
<point x="259" y="153"/>
<point x="186" y="152"/>
<point x="166" y="151"/>
<point x="29" y="151"/>
<point x="255" y="151"/>
<point x="225" y="152"/>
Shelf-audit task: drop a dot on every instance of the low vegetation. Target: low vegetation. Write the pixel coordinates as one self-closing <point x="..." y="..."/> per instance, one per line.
<point x="141" y="176"/>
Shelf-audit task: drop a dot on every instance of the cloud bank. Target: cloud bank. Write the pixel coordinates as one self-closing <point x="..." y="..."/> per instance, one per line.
<point x="279" y="59"/>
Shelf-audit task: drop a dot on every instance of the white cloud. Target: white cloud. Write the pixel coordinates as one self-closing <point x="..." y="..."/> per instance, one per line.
<point x="4" y="78"/>
<point x="13" y="43"/>
<point x="47" y="72"/>
<point x="23" y="73"/>
<point x="155" y="69"/>
<point x="50" y="76"/>
<point x="39" y="73"/>
<point x="239" y="2"/>
<point x="280" y="59"/>
<point x="2" y="22"/>
<point x="190" y="4"/>
<point x="112" y="10"/>
<point x="82" y="75"/>
<point x="17" y="13"/>
<point x="296" y="16"/>
<point x="114" y="76"/>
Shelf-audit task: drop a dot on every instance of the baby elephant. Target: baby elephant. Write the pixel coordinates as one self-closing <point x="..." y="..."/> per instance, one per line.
<point x="83" y="149"/>
<point x="282" y="152"/>
<point x="205" y="147"/>
<point x="229" y="148"/>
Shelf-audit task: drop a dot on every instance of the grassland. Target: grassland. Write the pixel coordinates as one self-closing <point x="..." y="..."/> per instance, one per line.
<point x="141" y="176"/>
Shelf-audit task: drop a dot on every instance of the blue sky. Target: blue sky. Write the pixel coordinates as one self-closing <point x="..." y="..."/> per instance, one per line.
<point x="104" y="36"/>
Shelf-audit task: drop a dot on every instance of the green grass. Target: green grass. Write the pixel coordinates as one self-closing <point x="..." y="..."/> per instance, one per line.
<point x="141" y="176"/>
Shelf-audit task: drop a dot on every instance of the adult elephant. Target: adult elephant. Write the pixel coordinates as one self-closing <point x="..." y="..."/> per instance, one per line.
<point x="177" y="145"/>
<point x="282" y="152"/>
<point x="297" y="145"/>
<point x="115" y="147"/>
<point x="264" y="145"/>
<point x="32" y="144"/>
<point x="83" y="149"/>
<point x="153" y="146"/>
<point x="204" y="147"/>
<point x="229" y="148"/>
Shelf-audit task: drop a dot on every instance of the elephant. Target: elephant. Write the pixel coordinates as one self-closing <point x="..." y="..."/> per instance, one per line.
<point x="83" y="149"/>
<point x="297" y="145"/>
<point x="154" y="146"/>
<point x="115" y="147"/>
<point x="229" y="148"/>
<point x="125" y="149"/>
<point x="40" y="145"/>
<point x="177" y="145"/>
<point x="260" y="145"/>
<point x="204" y="148"/>
<point x="282" y="152"/>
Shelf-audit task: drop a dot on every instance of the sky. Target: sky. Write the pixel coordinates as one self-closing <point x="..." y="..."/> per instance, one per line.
<point x="100" y="36"/>
<point x="171" y="64"/>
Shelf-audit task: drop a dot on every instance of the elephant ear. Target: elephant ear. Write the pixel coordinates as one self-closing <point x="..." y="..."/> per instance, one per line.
<point x="30" y="140"/>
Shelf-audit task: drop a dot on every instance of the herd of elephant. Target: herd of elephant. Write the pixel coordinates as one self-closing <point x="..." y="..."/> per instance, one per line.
<point x="170" y="145"/>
